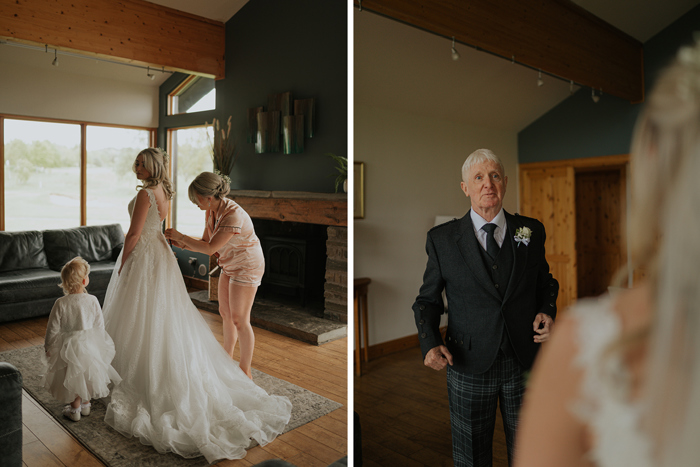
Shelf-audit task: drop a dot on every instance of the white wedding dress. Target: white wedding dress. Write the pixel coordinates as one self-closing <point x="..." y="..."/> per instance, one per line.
<point x="605" y="405"/>
<point x="180" y="390"/>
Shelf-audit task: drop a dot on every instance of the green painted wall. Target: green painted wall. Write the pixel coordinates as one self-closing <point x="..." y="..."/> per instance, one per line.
<point x="275" y="46"/>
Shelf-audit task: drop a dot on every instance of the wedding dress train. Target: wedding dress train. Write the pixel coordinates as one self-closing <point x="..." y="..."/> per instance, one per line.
<point x="180" y="390"/>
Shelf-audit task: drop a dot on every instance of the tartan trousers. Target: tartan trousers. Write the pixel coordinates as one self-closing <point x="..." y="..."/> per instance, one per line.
<point x="473" y="400"/>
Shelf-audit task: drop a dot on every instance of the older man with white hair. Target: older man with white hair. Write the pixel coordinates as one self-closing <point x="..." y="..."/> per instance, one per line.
<point x="501" y="299"/>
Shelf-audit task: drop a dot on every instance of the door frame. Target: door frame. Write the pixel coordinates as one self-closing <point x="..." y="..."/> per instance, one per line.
<point x="619" y="161"/>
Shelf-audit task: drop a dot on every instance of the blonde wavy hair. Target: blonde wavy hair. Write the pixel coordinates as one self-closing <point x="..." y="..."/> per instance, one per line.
<point x="156" y="161"/>
<point x="72" y="275"/>
<point x="663" y="225"/>
<point x="208" y="184"/>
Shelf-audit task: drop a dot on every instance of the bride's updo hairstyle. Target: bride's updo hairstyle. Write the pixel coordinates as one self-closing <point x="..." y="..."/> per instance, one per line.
<point x="208" y="184"/>
<point x="156" y="161"/>
<point x="663" y="239"/>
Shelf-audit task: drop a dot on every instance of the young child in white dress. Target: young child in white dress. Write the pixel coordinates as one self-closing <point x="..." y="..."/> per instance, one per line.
<point x="79" y="352"/>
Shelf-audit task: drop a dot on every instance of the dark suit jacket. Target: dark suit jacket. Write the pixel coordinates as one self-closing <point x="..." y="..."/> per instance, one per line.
<point x="477" y="313"/>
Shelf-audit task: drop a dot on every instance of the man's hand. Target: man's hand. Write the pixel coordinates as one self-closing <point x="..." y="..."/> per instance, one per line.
<point x="543" y="333"/>
<point x="438" y="357"/>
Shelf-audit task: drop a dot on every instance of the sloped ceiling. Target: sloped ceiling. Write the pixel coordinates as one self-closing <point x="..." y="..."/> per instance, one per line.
<point x="410" y="70"/>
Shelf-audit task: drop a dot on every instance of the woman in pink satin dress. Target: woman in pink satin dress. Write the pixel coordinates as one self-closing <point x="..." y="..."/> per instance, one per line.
<point x="229" y="235"/>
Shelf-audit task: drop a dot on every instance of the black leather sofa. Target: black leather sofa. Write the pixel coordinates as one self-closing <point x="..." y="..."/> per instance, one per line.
<point x="31" y="262"/>
<point x="11" y="416"/>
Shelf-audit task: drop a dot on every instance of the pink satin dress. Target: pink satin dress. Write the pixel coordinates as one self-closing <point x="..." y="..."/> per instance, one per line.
<point x="241" y="258"/>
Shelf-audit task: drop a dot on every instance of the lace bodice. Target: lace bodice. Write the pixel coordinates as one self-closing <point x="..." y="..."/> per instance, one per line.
<point x="604" y="404"/>
<point x="153" y="222"/>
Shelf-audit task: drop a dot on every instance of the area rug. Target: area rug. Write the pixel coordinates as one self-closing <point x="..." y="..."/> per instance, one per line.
<point x="116" y="450"/>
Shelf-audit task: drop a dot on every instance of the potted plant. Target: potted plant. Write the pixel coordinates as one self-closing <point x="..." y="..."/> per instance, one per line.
<point x="341" y="178"/>
<point x="223" y="149"/>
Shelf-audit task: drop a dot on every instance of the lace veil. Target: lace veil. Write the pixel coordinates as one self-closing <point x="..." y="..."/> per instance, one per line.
<point x="666" y="220"/>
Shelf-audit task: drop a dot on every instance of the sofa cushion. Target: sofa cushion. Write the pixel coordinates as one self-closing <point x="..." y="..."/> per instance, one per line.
<point x="92" y="243"/>
<point x="100" y="274"/>
<point x="24" y="310"/>
<point x="29" y="284"/>
<point x="22" y="250"/>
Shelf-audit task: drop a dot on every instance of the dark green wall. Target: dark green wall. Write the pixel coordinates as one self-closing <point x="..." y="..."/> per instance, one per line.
<point x="275" y="46"/>
<point x="580" y="128"/>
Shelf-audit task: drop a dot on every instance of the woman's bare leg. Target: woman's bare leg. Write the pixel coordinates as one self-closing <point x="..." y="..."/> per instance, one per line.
<point x="240" y="299"/>
<point x="230" y="333"/>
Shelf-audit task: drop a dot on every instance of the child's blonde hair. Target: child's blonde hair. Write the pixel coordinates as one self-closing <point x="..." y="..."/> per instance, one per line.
<point x="72" y="275"/>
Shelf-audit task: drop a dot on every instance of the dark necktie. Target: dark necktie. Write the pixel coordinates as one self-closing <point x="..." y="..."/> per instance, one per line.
<point x="492" y="247"/>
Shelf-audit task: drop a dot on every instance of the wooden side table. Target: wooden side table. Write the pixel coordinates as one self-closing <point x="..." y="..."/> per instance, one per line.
<point x="361" y="320"/>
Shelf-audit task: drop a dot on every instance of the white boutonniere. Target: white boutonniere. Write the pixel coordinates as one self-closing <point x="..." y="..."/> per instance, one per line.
<point x="522" y="235"/>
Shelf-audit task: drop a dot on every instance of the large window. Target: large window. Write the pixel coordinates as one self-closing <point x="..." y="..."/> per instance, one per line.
<point x="111" y="183"/>
<point x="191" y="151"/>
<point x="49" y="183"/>
<point x="42" y="175"/>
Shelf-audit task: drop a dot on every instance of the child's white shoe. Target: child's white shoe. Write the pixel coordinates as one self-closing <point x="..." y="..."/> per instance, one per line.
<point x="72" y="413"/>
<point x="85" y="408"/>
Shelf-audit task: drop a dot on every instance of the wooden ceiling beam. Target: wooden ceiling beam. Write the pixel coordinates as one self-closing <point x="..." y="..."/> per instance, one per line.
<point x="555" y="36"/>
<point x="128" y="31"/>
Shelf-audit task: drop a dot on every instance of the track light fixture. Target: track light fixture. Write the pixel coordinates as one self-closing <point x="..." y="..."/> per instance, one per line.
<point x="594" y="97"/>
<point x="571" y="87"/>
<point x="455" y="54"/>
<point x="540" y="81"/>
<point x="77" y="55"/>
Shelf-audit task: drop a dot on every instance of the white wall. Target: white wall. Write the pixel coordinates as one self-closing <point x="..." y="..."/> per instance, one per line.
<point x="78" y="89"/>
<point x="412" y="174"/>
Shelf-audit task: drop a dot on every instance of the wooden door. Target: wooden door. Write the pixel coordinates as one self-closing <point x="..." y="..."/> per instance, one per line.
<point x="600" y="247"/>
<point x="547" y="194"/>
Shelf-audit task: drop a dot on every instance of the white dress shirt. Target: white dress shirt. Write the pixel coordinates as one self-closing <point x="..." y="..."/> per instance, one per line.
<point x="499" y="234"/>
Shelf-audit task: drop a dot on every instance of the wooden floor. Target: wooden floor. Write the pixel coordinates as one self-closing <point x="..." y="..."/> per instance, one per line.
<point x="404" y="414"/>
<point x="321" y="369"/>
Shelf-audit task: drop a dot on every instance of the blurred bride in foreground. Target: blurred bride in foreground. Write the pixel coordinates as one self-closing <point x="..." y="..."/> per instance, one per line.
<point x="619" y="384"/>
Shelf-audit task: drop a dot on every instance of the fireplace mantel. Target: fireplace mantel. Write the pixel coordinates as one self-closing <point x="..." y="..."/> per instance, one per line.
<point x="294" y="206"/>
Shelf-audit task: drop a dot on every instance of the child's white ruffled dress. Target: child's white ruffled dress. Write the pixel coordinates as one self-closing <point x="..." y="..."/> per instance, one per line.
<point x="79" y="351"/>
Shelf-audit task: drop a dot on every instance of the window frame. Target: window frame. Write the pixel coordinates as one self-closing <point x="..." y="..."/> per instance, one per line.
<point x="174" y="156"/>
<point x="175" y="93"/>
<point x="83" y="157"/>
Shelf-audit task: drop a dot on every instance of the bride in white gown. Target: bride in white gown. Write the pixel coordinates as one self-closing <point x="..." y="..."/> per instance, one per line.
<point x="619" y="383"/>
<point x="180" y="390"/>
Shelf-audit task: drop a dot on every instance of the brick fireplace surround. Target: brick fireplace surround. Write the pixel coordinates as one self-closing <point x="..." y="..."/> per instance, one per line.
<point x="329" y="209"/>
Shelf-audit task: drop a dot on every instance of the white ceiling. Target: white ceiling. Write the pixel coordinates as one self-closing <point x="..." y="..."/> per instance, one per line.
<point x="641" y="19"/>
<point x="410" y="70"/>
<point x="218" y="10"/>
